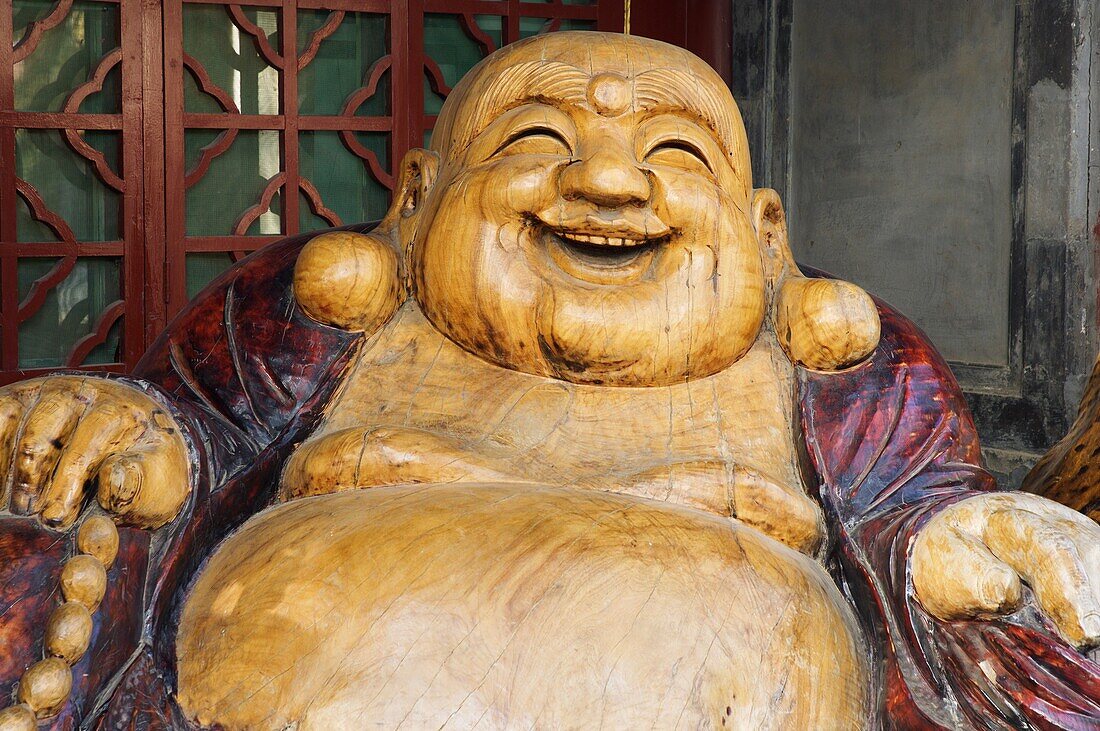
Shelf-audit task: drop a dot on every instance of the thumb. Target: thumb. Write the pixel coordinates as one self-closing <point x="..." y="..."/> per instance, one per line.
<point x="956" y="577"/>
<point x="146" y="486"/>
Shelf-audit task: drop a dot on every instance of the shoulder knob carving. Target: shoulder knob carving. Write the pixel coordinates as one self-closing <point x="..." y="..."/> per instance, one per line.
<point x="348" y="280"/>
<point x="825" y="324"/>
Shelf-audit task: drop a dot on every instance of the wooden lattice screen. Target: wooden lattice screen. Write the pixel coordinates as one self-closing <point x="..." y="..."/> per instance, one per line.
<point x="71" y="189"/>
<point x="145" y="146"/>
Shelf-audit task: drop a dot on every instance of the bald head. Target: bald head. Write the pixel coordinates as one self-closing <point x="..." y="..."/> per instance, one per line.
<point x="610" y="73"/>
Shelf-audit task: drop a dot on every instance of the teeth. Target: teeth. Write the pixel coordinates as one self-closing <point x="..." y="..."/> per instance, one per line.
<point x="601" y="240"/>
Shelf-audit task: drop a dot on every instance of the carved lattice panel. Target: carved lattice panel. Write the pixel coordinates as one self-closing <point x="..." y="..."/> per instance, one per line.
<point x="71" y="224"/>
<point x="278" y="119"/>
<point x="286" y="116"/>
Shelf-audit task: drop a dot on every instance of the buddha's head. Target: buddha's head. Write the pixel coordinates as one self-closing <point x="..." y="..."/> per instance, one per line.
<point x="586" y="212"/>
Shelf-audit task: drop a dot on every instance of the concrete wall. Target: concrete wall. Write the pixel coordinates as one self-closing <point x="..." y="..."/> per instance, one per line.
<point x="901" y="150"/>
<point x="944" y="155"/>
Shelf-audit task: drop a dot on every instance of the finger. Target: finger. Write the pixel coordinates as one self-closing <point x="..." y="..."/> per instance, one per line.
<point x="11" y="416"/>
<point x="48" y="423"/>
<point x="1056" y="568"/>
<point x="147" y="485"/>
<point x="956" y="577"/>
<point x="788" y="515"/>
<point x="105" y="429"/>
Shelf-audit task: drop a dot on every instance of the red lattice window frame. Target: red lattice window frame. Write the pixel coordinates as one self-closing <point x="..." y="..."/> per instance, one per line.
<point x="124" y="177"/>
<point x="406" y="64"/>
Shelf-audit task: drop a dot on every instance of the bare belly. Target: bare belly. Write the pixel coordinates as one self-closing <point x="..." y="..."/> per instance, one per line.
<point x="500" y="606"/>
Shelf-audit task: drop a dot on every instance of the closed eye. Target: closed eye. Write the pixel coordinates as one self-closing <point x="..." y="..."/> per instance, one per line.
<point x="678" y="153"/>
<point x="535" y="141"/>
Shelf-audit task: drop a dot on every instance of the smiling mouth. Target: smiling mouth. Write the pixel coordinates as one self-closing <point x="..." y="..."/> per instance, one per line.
<point x="601" y="259"/>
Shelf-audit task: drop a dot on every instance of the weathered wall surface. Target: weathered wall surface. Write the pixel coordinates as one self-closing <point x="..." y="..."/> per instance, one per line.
<point x="943" y="155"/>
<point x="901" y="159"/>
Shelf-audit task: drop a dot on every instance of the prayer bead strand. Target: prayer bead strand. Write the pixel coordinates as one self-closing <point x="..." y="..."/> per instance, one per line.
<point x="45" y="686"/>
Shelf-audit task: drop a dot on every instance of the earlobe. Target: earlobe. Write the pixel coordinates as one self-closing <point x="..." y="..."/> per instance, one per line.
<point x="821" y="324"/>
<point x="825" y="324"/>
<point x="769" y="221"/>
<point x="349" y="280"/>
<point x="415" y="179"/>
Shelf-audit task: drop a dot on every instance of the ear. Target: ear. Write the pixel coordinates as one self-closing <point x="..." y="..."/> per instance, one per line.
<point x="415" y="180"/>
<point x="822" y="324"/>
<point x="770" y="223"/>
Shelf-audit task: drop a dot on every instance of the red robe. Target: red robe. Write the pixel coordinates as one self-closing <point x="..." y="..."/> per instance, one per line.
<point x="248" y="375"/>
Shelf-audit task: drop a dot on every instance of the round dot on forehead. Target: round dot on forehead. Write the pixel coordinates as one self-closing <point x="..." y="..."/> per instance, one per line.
<point x="609" y="94"/>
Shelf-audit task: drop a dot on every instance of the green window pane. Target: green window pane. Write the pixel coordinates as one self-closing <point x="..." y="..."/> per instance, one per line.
<point x="534" y="26"/>
<point x="109" y="351"/>
<point x="234" y="182"/>
<point x="307" y="219"/>
<point x="453" y="50"/>
<point x="68" y="183"/>
<point x="195" y="99"/>
<point x="195" y="142"/>
<point x="343" y="63"/>
<point x="231" y="58"/>
<point x="66" y="56"/>
<point x="69" y="312"/>
<point x="342" y="178"/>
<point x="203" y="268"/>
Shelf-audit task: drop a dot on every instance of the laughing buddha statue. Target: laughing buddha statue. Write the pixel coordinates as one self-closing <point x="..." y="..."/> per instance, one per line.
<point x="566" y="441"/>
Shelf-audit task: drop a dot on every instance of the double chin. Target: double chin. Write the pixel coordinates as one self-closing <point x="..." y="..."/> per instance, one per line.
<point x="647" y="334"/>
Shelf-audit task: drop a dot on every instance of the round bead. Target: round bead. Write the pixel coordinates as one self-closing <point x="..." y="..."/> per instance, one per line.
<point x="348" y="280"/>
<point x="68" y="631"/>
<point x="45" y="686"/>
<point x="17" y="718"/>
<point x="98" y="537"/>
<point x="84" y="580"/>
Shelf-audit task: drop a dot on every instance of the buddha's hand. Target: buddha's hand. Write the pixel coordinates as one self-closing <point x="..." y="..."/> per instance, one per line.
<point x="60" y="434"/>
<point x="969" y="560"/>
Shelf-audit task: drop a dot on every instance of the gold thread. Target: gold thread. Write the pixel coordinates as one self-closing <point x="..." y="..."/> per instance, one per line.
<point x="626" y="17"/>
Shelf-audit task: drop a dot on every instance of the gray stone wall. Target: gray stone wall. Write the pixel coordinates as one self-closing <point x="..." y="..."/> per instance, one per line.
<point x="943" y="155"/>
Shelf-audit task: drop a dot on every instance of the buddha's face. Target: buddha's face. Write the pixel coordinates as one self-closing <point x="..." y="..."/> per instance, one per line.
<point x="590" y="215"/>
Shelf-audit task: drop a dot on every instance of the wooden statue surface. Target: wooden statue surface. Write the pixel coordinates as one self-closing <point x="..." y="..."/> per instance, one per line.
<point x="501" y="568"/>
<point x="567" y="440"/>
<point x="527" y="606"/>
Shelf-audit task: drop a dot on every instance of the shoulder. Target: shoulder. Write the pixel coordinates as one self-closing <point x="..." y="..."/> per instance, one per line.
<point x="244" y="344"/>
<point x="873" y="428"/>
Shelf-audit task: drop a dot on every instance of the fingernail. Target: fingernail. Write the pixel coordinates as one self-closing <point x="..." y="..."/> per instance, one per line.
<point x="1091" y="626"/>
<point x="22" y="500"/>
<point x="1000" y="590"/>
<point x="51" y="516"/>
<point x="127" y="482"/>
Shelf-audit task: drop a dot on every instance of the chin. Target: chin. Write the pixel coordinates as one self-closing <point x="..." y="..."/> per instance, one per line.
<point x="630" y="337"/>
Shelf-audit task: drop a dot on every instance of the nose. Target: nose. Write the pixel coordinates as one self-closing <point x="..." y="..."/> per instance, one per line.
<point x="608" y="177"/>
